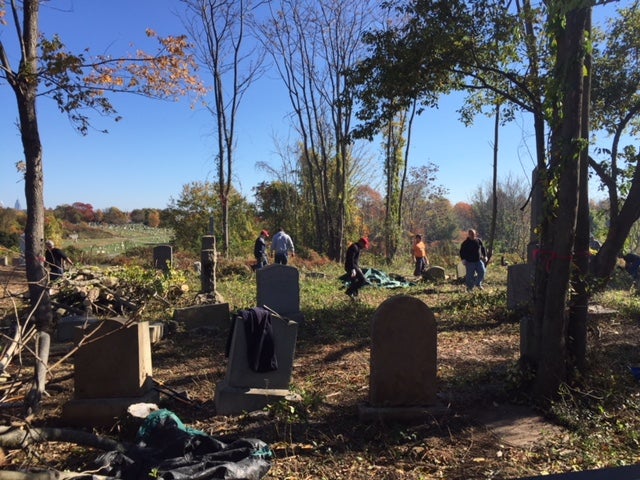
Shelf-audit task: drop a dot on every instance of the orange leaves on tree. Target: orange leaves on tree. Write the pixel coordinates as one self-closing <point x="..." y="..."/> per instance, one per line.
<point x="77" y="81"/>
<point x="169" y="73"/>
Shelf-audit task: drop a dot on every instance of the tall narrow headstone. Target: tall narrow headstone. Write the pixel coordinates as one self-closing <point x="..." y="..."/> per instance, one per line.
<point x="208" y="264"/>
<point x="403" y="354"/>
<point x="461" y="272"/>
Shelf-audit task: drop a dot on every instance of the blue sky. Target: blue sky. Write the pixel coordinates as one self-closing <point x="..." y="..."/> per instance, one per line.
<point x="159" y="146"/>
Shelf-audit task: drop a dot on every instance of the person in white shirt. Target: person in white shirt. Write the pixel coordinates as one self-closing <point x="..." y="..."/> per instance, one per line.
<point x="282" y="245"/>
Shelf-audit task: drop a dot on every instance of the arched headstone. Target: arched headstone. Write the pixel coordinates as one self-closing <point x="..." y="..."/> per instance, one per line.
<point x="403" y="354"/>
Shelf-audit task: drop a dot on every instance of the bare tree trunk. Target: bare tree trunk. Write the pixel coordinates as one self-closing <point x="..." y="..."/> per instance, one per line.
<point x="34" y="396"/>
<point x="218" y="28"/>
<point x="313" y="44"/>
<point x="25" y="87"/>
<point x="14" y="437"/>
<point x="605" y="261"/>
<point x="494" y="203"/>
<point x="578" y="312"/>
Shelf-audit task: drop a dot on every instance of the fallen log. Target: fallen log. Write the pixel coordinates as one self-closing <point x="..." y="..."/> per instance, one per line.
<point x="20" y="437"/>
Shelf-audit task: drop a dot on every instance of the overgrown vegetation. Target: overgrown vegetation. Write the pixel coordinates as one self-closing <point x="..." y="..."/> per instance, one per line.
<point x="321" y="435"/>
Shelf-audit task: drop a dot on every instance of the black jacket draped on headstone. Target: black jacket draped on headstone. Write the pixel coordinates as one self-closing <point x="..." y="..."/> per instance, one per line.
<point x="258" y="331"/>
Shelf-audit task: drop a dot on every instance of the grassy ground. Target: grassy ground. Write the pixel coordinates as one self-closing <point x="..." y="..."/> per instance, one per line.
<point x="113" y="240"/>
<point x="322" y="437"/>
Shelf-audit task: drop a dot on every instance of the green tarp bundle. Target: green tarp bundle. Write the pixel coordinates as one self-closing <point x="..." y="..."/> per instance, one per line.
<point x="381" y="279"/>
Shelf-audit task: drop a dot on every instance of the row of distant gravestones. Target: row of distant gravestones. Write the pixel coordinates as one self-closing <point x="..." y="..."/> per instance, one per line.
<point x="116" y="370"/>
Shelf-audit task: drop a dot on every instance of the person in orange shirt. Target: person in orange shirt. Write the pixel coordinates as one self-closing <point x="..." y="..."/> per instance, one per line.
<point x="420" y="255"/>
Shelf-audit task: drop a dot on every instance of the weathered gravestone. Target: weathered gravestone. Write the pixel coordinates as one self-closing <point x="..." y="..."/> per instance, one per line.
<point x="434" y="274"/>
<point x="278" y="288"/>
<point x="156" y="332"/>
<point x="461" y="272"/>
<point x="210" y="316"/>
<point x="67" y="328"/>
<point x="519" y="285"/>
<point x="520" y="278"/>
<point x="244" y="389"/>
<point x="112" y="370"/>
<point x="163" y="257"/>
<point x="208" y="262"/>
<point x="402" y="381"/>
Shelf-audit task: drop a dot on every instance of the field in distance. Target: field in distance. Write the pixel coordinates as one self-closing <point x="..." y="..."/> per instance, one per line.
<point x="115" y="239"/>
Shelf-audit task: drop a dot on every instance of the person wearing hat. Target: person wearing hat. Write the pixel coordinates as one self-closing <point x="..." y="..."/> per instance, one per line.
<point x="352" y="267"/>
<point x="260" y="250"/>
<point x="55" y="260"/>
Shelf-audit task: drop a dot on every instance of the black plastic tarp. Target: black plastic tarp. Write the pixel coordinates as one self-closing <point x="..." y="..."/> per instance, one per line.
<point x="166" y="449"/>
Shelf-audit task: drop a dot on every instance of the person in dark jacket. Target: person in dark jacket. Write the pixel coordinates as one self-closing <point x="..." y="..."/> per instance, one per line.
<point x="260" y="250"/>
<point x="632" y="265"/>
<point x="352" y="267"/>
<point x="474" y="256"/>
<point x="55" y="260"/>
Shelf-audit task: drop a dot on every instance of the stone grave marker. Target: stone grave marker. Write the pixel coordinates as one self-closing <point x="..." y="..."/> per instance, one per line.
<point x="67" y="328"/>
<point x="434" y="274"/>
<point x="402" y="381"/>
<point x="211" y="315"/>
<point x="111" y="372"/>
<point x="461" y="272"/>
<point x="278" y="287"/>
<point x="163" y="257"/>
<point x="245" y="390"/>
<point x="519" y="285"/>
<point x="156" y="332"/>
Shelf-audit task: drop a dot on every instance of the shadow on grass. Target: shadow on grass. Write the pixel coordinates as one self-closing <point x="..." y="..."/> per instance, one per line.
<point x="330" y="324"/>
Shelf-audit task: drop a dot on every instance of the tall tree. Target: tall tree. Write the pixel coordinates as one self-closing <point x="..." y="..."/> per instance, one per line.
<point x="313" y="43"/>
<point x="74" y="82"/>
<point x="616" y="111"/>
<point x="370" y="214"/>
<point x="220" y="30"/>
<point x="479" y="45"/>
<point x="512" y="222"/>
<point x="395" y="171"/>
<point x="569" y="30"/>
<point x="278" y="205"/>
<point x="421" y="194"/>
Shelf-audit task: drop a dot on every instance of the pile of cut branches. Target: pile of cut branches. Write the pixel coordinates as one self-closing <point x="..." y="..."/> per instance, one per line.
<point x="114" y="292"/>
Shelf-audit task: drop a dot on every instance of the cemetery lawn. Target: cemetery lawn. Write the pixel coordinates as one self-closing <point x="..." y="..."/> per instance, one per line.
<point x="594" y="424"/>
